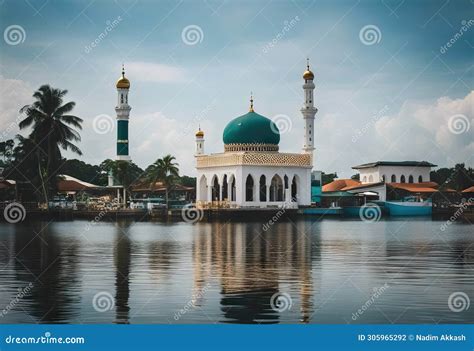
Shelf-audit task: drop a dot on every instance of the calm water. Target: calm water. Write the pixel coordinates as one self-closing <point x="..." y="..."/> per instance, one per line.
<point x="323" y="272"/>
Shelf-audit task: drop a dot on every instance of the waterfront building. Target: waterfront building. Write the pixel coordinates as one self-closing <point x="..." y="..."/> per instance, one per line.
<point x="252" y="172"/>
<point x="394" y="172"/>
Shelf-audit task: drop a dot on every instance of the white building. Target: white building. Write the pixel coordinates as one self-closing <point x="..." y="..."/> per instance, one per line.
<point x="394" y="172"/>
<point x="252" y="172"/>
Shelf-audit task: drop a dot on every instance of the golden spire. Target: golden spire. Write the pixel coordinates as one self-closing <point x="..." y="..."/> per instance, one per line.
<point x="251" y="102"/>
<point x="200" y="133"/>
<point x="123" y="83"/>
<point x="308" y="75"/>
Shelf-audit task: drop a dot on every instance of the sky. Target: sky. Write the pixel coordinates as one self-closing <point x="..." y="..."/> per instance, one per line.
<point x="394" y="79"/>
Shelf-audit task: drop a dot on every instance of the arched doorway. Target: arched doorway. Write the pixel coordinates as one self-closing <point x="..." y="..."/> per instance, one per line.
<point x="276" y="188"/>
<point x="263" y="188"/>
<point x="394" y="178"/>
<point x="203" y="189"/>
<point x="249" y="188"/>
<point x="232" y="188"/>
<point x="410" y="179"/>
<point x="402" y="179"/>
<point x="294" y="190"/>
<point x="225" y="189"/>
<point x="215" y="189"/>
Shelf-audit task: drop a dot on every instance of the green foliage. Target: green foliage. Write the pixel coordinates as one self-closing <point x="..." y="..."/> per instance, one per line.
<point x="355" y="176"/>
<point x="328" y="178"/>
<point x="458" y="177"/>
<point x="52" y="129"/>
<point x="187" y="181"/>
<point x="164" y="170"/>
<point x="84" y="171"/>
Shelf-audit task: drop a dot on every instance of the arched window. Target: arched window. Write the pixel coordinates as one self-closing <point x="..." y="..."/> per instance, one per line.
<point x="263" y="188"/>
<point x="364" y="180"/>
<point x="402" y="179"/>
<point x="232" y="188"/>
<point x="420" y="179"/>
<point x="225" y="187"/>
<point x="394" y="178"/>
<point x="410" y="179"/>
<point x="249" y="188"/>
<point x="203" y="189"/>
<point x="383" y="178"/>
<point x="215" y="189"/>
<point x="294" y="190"/>
<point x="276" y="189"/>
<point x="371" y="179"/>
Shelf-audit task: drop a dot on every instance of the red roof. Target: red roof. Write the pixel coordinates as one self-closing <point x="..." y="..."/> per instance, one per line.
<point x="68" y="183"/>
<point x="340" y="185"/>
<point x="469" y="190"/>
<point x="424" y="187"/>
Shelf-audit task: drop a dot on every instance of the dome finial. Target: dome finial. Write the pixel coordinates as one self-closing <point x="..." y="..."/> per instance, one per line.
<point x="199" y="133"/>
<point x="251" y="102"/>
<point x="123" y="83"/>
<point x="308" y="75"/>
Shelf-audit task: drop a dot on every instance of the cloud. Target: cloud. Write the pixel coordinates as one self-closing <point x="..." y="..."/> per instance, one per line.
<point x="155" y="135"/>
<point x="442" y="131"/>
<point x="14" y="94"/>
<point x="154" y="72"/>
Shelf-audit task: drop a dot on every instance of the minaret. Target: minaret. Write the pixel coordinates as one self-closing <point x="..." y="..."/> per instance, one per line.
<point x="199" y="142"/>
<point x="123" y="112"/>
<point x="308" y="110"/>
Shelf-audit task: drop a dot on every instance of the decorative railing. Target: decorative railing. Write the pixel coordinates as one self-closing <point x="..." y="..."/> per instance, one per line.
<point x="255" y="158"/>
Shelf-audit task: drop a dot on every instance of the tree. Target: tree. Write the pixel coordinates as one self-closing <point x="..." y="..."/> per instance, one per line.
<point x="124" y="172"/>
<point x="328" y="178"/>
<point x="52" y="130"/>
<point x="457" y="177"/>
<point x="6" y="150"/>
<point x="164" y="170"/>
<point x="83" y="171"/>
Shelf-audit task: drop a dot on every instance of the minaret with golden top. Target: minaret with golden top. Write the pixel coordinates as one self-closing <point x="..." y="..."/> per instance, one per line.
<point x="308" y="110"/>
<point x="199" y="142"/>
<point x="123" y="112"/>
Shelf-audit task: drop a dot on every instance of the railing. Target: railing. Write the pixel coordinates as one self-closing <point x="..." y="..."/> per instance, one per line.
<point x="214" y="204"/>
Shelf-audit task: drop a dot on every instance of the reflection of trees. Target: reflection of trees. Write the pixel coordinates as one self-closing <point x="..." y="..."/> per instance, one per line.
<point x="251" y="264"/>
<point x="49" y="260"/>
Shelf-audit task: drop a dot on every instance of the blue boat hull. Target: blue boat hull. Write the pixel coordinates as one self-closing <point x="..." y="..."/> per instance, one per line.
<point x="409" y="209"/>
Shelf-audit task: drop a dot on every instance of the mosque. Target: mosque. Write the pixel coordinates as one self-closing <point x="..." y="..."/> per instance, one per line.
<point x="252" y="172"/>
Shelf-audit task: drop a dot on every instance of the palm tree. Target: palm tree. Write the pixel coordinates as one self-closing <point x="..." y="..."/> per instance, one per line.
<point x="164" y="170"/>
<point x="53" y="129"/>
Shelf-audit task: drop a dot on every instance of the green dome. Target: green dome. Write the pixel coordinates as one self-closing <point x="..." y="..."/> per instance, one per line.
<point x="251" y="128"/>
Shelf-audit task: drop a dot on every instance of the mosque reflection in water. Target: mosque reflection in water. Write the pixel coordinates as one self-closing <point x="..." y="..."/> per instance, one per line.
<point x="251" y="266"/>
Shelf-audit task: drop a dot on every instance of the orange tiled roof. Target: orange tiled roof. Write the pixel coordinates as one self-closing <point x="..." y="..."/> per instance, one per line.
<point x="340" y="185"/>
<point x="424" y="187"/>
<point x="469" y="190"/>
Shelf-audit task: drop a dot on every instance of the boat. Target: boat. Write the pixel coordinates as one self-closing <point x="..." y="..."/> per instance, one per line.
<point x="409" y="206"/>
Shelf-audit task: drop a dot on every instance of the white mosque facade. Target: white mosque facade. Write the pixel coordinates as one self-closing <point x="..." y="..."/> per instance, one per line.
<point x="252" y="172"/>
